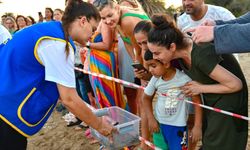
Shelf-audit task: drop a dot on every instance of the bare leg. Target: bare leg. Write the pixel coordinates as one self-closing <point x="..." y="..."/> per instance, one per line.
<point x="190" y="124"/>
<point x="132" y="102"/>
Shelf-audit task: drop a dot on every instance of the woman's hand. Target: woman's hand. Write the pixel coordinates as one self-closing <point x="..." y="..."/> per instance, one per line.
<point x="195" y="134"/>
<point x="105" y="128"/>
<point x="192" y="88"/>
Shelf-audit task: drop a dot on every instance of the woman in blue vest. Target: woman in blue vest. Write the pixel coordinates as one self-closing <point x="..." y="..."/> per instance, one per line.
<point x="37" y="69"/>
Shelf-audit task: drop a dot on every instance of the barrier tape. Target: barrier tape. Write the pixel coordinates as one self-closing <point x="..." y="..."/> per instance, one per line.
<point x="110" y="78"/>
<point x="163" y="94"/>
<point x="148" y="143"/>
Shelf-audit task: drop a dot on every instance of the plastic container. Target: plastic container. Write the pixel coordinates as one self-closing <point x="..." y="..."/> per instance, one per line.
<point x="126" y="123"/>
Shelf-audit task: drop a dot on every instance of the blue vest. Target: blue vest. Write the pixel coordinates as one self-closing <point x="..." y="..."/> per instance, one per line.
<point x="26" y="99"/>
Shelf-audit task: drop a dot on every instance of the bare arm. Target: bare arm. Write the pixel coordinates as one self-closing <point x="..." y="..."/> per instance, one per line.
<point x="196" y="132"/>
<point x="128" y="26"/>
<point x="107" y="38"/>
<point x="75" y="104"/>
<point x="147" y="106"/>
<point x="197" y="110"/>
<point x="227" y="83"/>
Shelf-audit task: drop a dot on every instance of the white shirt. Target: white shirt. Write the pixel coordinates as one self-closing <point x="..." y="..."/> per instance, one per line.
<point x="58" y="67"/>
<point x="4" y="34"/>
<point x="170" y="110"/>
<point x="185" y="22"/>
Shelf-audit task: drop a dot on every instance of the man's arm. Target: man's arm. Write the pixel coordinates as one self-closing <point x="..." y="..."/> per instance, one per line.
<point x="232" y="38"/>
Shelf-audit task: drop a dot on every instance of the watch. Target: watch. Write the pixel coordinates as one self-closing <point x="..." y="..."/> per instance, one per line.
<point x="88" y="45"/>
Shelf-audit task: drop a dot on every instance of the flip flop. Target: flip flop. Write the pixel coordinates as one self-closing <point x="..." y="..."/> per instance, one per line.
<point x="81" y="126"/>
<point x="71" y="123"/>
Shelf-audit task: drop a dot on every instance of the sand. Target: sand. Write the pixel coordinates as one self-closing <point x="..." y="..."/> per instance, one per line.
<point x="56" y="136"/>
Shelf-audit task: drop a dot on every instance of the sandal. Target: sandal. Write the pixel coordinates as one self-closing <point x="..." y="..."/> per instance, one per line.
<point x="71" y="123"/>
<point x="81" y="126"/>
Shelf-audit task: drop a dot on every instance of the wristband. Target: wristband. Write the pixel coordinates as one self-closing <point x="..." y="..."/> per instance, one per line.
<point x="88" y="45"/>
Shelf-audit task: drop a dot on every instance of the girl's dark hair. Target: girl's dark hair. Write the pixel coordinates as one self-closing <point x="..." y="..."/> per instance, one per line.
<point x="148" y="55"/>
<point x="74" y="10"/>
<point x="51" y="11"/>
<point x="143" y="26"/>
<point x="165" y="32"/>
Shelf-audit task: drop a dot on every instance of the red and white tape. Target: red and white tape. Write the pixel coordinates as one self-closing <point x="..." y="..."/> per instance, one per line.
<point x="141" y="87"/>
<point x="110" y="78"/>
<point x="148" y="143"/>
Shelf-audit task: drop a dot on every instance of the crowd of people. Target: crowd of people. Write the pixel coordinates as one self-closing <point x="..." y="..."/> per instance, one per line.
<point x="184" y="59"/>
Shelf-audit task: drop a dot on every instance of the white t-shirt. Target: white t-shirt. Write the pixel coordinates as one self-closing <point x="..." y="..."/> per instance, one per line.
<point x="170" y="110"/>
<point x="58" y="67"/>
<point x="4" y="34"/>
<point x="185" y="22"/>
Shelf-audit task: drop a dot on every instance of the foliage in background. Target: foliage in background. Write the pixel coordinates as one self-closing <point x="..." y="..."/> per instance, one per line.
<point x="10" y="14"/>
<point x="153" y="6"/>
<point x="237" y="7"/>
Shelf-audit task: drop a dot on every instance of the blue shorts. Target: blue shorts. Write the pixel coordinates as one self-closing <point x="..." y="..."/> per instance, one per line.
<point x="175" y="137"/>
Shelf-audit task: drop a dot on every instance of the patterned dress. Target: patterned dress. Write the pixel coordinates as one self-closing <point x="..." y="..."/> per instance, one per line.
<point x="107" y="93"/>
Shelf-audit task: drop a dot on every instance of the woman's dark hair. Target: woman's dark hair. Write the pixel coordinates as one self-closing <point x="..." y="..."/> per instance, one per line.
<point x="143" y="26"/>
<point x="51" y="11"/>
<point x="32" y="19"/>
<point x="20" y="16"/>
<point x="74" y="10"/>
<point x="165" y="32"/>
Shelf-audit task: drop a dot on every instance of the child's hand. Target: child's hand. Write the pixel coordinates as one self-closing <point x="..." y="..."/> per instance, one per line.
<point x="142" y="74"/>
<point x="195" y="134"/>
<point x="192" y="88"/>
<point x="153" y="125"/>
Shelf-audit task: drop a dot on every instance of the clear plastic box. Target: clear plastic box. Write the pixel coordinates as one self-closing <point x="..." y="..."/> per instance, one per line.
<point x="126" y="123"/>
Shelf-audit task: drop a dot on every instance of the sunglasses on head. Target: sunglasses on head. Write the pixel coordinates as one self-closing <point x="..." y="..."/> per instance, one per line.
<point x="99" y="3"/>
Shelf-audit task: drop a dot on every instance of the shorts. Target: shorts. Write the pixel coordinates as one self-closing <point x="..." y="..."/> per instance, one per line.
<point x="175" y="137"/>
<point x="159" y="141"/>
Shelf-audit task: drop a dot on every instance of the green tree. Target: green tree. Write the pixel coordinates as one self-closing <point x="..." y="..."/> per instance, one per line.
<point x="237" y="7"/>
<point x="153" y="6"/>
<point x="219" y="2"/>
